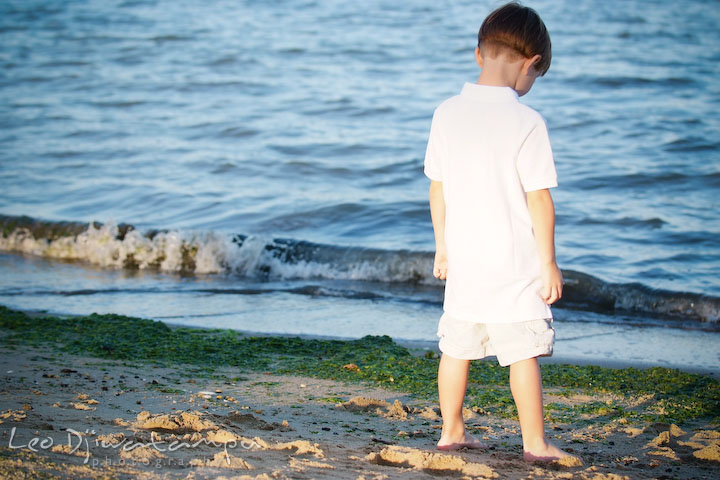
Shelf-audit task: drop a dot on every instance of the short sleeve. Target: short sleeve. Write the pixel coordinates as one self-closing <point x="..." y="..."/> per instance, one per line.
<point x="535" y="163"/>
<point x="433" y="152"/>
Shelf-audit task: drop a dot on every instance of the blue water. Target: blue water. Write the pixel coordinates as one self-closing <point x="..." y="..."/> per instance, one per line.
<point x="308" y="120"/>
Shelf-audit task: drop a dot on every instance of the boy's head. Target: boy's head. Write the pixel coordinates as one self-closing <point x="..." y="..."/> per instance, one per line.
<point x="517" y="32"/>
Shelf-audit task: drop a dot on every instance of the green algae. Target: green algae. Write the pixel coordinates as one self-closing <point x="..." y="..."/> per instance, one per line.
<point x="669" y="395"/>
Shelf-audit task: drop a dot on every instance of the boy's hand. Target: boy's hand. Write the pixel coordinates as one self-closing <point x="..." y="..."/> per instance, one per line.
<point x="440" y="265"/>
<point x="552" y="280"/>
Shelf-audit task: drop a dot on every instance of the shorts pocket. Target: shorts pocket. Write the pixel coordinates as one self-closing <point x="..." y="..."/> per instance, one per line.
<point x="542" y="332"/>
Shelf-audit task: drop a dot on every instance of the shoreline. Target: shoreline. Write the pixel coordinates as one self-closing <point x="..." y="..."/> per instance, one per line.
<point x="421" y="347"/>
<point x="58" y="241"/>
<point x="317" y="409"/>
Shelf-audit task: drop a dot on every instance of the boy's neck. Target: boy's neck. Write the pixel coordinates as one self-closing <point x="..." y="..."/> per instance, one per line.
<point x="497" y="72"/>
<point x="502" y="72"/>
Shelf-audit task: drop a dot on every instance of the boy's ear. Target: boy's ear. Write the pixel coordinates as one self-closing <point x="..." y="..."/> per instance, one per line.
<point x="478" y="57"/>
<point x="529" y="62"/>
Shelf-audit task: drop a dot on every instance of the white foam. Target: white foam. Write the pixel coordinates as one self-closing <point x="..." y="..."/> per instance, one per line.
<point x="210" y="252"/>
<point x="168" y="251"/>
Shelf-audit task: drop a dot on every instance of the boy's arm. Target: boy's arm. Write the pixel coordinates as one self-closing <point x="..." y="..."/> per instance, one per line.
<point x="542" y="214"/>
<point x="437" y="212"/>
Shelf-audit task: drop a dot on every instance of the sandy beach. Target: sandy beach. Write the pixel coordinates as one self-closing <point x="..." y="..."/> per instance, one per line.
<point x="217" y="245"/>
<point x="68" y="415"/>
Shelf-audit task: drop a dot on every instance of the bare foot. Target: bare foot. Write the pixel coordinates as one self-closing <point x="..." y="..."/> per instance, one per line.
<point x="551" y="453"/>
<point x="466" y="441"/>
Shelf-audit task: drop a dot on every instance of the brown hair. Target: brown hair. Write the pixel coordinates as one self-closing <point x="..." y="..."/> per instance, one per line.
<point x="516" y="30"/>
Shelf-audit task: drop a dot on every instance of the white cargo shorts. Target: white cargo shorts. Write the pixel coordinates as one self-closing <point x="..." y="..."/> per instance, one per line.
<point x="509" y="342"/>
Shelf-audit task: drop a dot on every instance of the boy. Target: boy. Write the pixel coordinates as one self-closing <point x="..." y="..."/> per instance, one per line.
<point x="490" y="165"/>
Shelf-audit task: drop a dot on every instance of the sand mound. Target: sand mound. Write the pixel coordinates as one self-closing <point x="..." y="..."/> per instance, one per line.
<point x="710" y="453"/>
<point x="86" y="398"/>
<point x="396" y="411"/>
<point x="668" y="444"/>
<point x="633" y="432"/>
<point x="183" y="422"/>
<point x="706" y="444"/>
<point x="222" y="460"/>
<point x="246" y="420"/>
<point x="435" y="463"/>
<point x="364" y="404"/>
<point x="666" y="452"/>
<point x="144" y="453"/>
<point x="662" y="439"/>
<point x="121" y="422"/>
<point x="16" y="415"/>
<point x="673" y="429"/>
<point x="223" y="436"/>
<point x="569" y="462"/>
<point x="300" y="446"/>
<point x="262" y="476"/>
<point x="430" y="413"/>
<point x="302" y="464"/>
<point x="608" y="476"/>
<point x="70" y="450"/>
<point x="667" y="435"/>
<point x="111" y="438"/>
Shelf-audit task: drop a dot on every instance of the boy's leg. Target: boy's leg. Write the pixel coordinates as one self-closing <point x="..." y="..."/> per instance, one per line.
<point x="452" y="384"/>
<point x="526" y="387"/>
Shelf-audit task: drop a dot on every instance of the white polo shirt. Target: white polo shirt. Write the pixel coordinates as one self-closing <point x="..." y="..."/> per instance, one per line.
<point x="488" y="149"/>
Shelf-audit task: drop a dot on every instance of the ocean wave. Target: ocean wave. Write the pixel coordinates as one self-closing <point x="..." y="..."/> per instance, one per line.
<point x="122" y="246"/>
<point x="585" y="291"/>
<point x="188" y="252"/>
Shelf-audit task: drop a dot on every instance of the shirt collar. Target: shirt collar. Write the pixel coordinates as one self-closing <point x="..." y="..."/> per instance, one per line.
<point x="488" y="93"/>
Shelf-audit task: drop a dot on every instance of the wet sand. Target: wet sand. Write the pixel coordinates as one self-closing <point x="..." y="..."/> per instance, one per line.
<point x="71" y="416"/>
